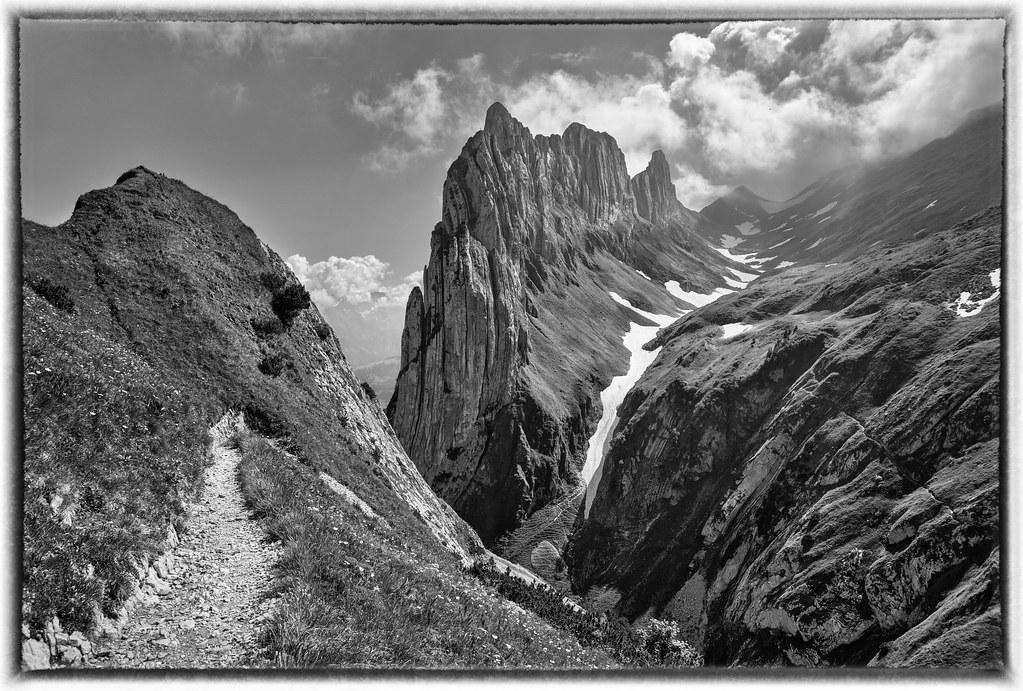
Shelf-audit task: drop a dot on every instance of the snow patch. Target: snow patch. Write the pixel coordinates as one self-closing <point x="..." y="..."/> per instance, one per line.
<point x="824" y="209"/>
<point x="694" y="298"/>
<point x="783" y="265"/>
<point x="730" y="241"/>
<point x="779" y="244"/>
<point x="747" y="228"/>
<point x="779" y="227"/>
<point x="824" y="219"/>
<point x="741" y="258"/>
<point x="643" y="275"/>
<point x="611" y="397"/>
<point x="743" y="276"/>
<point x="733" y="330"/>
<point x="815" y="244"/>
<point x="967" y="307"/>
<point x="659" y="319"/>
<point x="930" y="205"/>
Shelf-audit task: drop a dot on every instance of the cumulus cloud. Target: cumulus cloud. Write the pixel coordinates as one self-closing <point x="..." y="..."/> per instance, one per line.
<point x="638" y="114"/>
<point x="420" y="112"/>
<point x="787" y="101"/>
<point x="271" y="39"/>
<point x="694" y="190"/>
<point x="687" y="51"/>
<point x="360" y="282"/>
<point x="437" y="107"/>
<point x="795" y="99"/>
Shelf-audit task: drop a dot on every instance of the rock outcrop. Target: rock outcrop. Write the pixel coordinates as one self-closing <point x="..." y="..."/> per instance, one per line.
<point x="534" y="233"/>
<point x="823" y="488"/>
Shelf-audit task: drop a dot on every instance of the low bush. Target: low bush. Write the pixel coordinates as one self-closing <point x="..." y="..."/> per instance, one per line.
<point x="288" y="302"/>
<point x="266" y="326"/>
<point x="322" y="331"/>
<point x="655" y="643"/>
<point x="274" y="364"/>
<point x="273" y="281"/>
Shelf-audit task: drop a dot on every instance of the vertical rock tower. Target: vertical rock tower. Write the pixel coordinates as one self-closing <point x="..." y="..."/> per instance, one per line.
<point x="511" y="338"/>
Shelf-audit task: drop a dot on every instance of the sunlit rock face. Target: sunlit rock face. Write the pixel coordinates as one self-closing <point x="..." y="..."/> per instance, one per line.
<point x="513" y="336"/>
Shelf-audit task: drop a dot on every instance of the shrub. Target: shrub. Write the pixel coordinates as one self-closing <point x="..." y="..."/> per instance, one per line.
<point x="368" y="390"/>
<point x="266" y="326"/>
<point x="322" y="330"/>
<point x="655" y="644"/>
<point x="272" y="281"/>
<point x="289" y="302"/>
<point x="660" y="645"/>
<point x="274" y="364"/>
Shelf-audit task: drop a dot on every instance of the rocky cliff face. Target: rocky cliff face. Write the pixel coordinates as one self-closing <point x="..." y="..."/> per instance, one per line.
<point x="513" y="333"/>
<point x="808" y="474"/>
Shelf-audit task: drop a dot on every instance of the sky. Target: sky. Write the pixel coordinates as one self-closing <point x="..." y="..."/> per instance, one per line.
<point x="332" y="141"/>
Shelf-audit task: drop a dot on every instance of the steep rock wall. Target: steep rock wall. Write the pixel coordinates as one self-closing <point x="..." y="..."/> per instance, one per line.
<point x="513" y="333"/>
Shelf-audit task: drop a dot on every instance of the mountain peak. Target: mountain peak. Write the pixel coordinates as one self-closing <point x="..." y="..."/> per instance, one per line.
<point x="505" y="128"/>
<point x="137" y="171"/>
<point x="497" y="116"/>
<point x="657" y="160"/>
<point x="654" y="190"/>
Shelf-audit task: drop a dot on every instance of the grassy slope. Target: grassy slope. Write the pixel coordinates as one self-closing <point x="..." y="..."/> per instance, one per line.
<point x="159" y="288"/>
<point x="354" y="594"/>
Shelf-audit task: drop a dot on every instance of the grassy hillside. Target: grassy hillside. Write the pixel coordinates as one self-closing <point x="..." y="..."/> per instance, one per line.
<point x="147" y="314"/>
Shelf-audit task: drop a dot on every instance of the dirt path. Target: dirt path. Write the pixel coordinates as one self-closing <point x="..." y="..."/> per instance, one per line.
<point x="211" y="615"/>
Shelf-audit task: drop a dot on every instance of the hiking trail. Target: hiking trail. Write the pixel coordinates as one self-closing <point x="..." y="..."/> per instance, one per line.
<point x="211" y="613"/>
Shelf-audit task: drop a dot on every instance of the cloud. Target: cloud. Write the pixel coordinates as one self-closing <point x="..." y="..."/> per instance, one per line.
<point x="782" y="101"/>
<point x="688" y="51"/>
<point x="794" y="99"/>
<point x="273" y="40"/>
<point x="694" y="190"/>
<point x="419" y="113"/>
<point x="638" y="114"/>
<point x="353" y="281"/>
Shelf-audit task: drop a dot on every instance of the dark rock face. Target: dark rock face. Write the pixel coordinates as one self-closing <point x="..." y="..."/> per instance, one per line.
<point x="534" y="232"/>
<point x="823" y="488"/>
